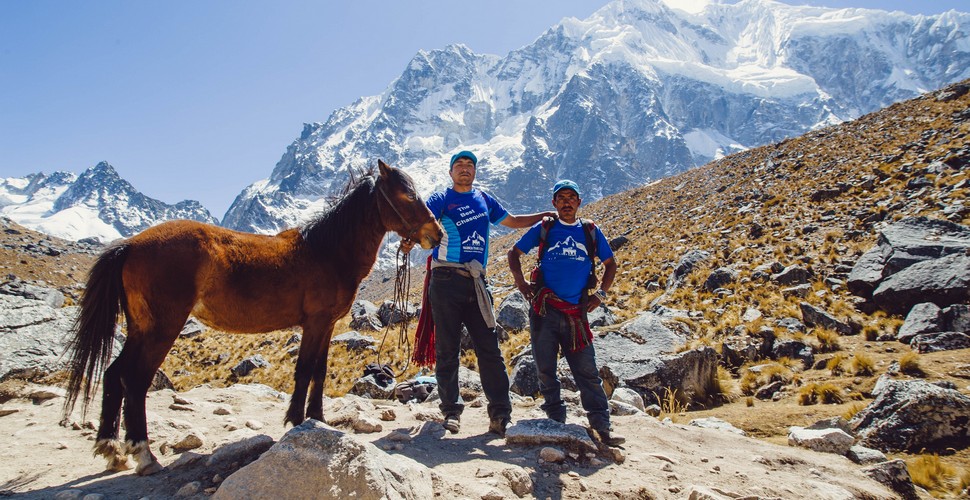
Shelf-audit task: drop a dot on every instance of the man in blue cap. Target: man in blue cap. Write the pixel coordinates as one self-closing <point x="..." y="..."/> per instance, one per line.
<point x="560" y="299"/>
<point x="458" y="295"/>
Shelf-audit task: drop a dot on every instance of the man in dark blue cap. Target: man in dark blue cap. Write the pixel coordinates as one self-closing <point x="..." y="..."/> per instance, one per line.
<point x="560" y="299"/>
<point x="458" y="295"/>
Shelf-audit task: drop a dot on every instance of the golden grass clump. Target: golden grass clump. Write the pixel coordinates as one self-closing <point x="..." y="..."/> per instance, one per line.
<point x="751" y="380"/>
<point x="835" y="365"/>
<point x="852" y="410"/>
<point x="870" y="332"/>
<point x="863" y="365"/>
<point x="825" y="393"/>
<point x="828" y="340"/>
<point x="935" y="475"/>
<point x="671" y="403"/>
<point x="909" y="364"/>
<point x="725" y="385"/>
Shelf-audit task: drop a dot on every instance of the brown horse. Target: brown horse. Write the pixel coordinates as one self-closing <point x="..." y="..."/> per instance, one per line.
<point x="234" y="282"/>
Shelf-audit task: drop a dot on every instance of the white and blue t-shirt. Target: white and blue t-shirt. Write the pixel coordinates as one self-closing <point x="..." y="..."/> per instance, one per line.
<point x="465" y="218"/>
<point x="565" y="263"/>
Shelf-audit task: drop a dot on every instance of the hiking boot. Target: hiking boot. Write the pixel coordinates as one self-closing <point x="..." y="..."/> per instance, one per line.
<point x="452" y="424"/>
<point x="498" y="426"/>
<point x="610" y="438"/>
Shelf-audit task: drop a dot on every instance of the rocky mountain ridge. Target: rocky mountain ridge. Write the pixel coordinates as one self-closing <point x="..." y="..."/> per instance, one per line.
<point x="97" y="204"/>
<point x="637" y="92"/>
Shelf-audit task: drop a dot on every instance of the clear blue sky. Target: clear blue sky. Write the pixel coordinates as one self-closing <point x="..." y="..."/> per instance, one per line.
<point x="198" y="99"/>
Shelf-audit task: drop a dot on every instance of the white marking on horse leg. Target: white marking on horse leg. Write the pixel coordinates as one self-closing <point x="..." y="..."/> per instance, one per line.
<point x="147" y="463"/>
<point x="114" y="451"/>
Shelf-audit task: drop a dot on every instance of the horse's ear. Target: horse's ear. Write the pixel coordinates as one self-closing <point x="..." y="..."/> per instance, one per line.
<point x="385" y="169"/>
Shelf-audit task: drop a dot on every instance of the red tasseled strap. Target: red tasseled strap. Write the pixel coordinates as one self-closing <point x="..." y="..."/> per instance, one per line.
<point x="424" y="336"/>
<point x="579" y="330"/>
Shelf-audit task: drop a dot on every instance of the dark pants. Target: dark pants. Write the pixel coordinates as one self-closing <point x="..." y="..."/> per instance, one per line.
<point x="453" y="303"/>
<point x="549" y="333"/>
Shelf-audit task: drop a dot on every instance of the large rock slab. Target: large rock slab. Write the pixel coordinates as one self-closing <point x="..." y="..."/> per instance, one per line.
<point x="942" y="281"/>
<point x="313" y="460"/>
<point x="822" y="440"/>
<point x="902" y="245"/>
<point x="691" y="374"/>
<point x="543" y="431"/>
<point x="922" y="318"/>
<point x="654" y="333"/>
<point x="364" y="317"/>
<point x="912" y="415"/>
<point x="33" y="337"/>
<point x="513" y="313"/>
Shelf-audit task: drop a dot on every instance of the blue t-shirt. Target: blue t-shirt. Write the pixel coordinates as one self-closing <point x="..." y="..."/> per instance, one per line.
<point x="465" y="218"/>
<point x="565" y="263"/>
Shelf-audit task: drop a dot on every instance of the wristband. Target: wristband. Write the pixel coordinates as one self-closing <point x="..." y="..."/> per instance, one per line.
<point x="601" y="294"/>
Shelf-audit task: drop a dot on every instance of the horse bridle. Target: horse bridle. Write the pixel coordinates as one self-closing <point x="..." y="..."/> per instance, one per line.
<point x="414" y="229"/>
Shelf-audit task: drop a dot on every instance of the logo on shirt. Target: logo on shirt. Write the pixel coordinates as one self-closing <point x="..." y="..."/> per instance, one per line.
<point x="474" y="243"/>
<point x="569" y="249"/>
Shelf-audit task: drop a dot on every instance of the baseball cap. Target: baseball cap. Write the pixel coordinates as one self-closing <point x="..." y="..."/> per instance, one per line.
<point x="565" y="184"/>
<point x="463" y="154"/>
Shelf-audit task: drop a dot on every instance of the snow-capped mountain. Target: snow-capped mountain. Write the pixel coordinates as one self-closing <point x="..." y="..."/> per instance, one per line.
<point x="96" y="204"/>
<point x="638" y="91"/>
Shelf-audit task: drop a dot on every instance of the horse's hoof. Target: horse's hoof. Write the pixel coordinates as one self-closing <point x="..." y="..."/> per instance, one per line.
<point x="148" y="469"/>
<point x="114" y="451"/>
<point x="118" y="464"/>
<point x="147" y="463"/>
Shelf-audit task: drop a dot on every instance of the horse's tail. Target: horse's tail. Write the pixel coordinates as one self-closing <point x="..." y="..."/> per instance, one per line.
<point x="94" y="327"/>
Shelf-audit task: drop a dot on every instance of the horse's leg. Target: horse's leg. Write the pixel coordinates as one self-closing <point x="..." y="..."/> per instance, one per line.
<point x="306" y="367"/>
<point x="154" y="346"/>
<point x="107" y="444"/>
<point x="314" y="407"/>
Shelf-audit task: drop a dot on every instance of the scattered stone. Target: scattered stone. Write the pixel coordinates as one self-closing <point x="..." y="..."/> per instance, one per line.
<point x="823" y="440"/>
<point x="716" y="423"/>
<point x="367" y="425"/>
<point x="895" y="476"/>
<point x="355" y="342"/>
<point x="189" y="489"/>
<point x="628" y="396"/>
<point x="543" y="431"/>
<point x="312" y="458"/>
<point x="813" y="316"/>
<point x="913" y="415"/>
<point x="364" y="317"/>
<point x="513" y="312"/>
<point x="189" y="441"/>
<point x="552" y="455"/>
<point x="940" y="341"/>
<point x="865" y="456"/>
<point x="519" y="480"/>
<point x="791" y="276"/>
<point x="246" y="366"/>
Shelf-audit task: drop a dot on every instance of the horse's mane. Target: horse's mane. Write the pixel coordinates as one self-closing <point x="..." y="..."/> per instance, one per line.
<point x="345" y="215"/>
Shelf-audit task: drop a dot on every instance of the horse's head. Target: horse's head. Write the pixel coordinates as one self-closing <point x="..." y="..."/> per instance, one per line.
<point x="408" y="216"/>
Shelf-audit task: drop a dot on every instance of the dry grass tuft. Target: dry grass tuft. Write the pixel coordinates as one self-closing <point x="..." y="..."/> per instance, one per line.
<point x="828" y="340"/>
<point x="835" y="365"/>
<point x="671" y="403"/>
<point x="936" y="476"/>
<point x="852" y="410"/>
<point x="863" y="365"/>
<point x="824" y="393"/>
<point x="909" y="364"/>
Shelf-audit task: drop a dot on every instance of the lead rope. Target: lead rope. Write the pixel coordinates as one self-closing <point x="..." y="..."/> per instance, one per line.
<point x="402" y="287"/>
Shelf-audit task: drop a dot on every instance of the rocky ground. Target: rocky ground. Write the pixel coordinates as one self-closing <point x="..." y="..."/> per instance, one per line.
<point x="43" y="458"/>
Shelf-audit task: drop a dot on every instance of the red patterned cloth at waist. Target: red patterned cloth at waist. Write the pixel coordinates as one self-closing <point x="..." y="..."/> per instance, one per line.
<point x="579" y="330"/>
